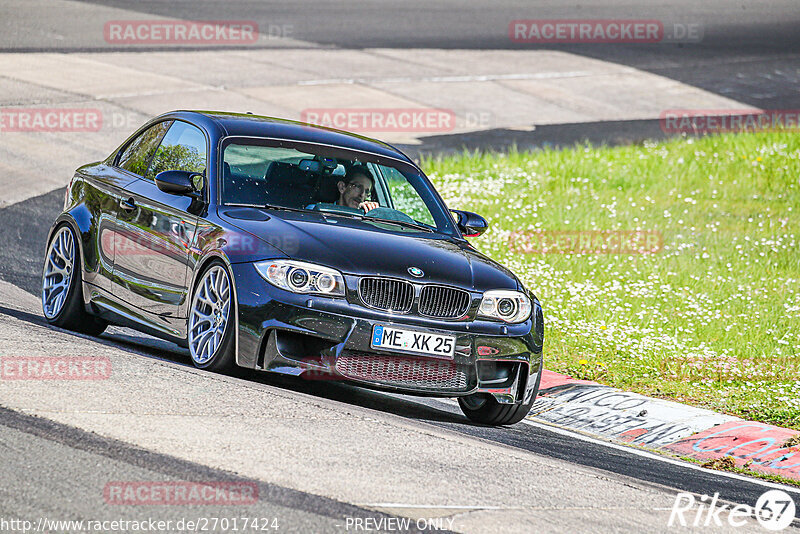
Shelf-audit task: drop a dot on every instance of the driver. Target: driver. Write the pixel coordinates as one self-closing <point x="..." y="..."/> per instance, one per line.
<point x="355" y="188"/>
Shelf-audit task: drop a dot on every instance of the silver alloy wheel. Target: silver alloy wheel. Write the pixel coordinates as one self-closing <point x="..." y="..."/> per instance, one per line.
<point x="58" y="269"/>
<point x="209" y="314"/>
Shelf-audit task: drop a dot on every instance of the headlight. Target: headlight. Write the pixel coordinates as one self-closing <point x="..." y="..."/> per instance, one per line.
<point x="301" y="277"/>
<point x="508" y="306"/>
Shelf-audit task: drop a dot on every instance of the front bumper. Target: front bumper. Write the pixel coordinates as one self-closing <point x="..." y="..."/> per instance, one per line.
<point x="329" y="339"/>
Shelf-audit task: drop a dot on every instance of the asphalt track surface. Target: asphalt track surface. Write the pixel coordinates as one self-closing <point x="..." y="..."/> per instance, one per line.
<point x="749" y="50"/>
<point x="64" y="465"/>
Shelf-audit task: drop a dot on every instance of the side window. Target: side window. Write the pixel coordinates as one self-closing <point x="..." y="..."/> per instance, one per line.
<point x="183" y="149"/>
<point x="405" y="197"/>
<point x="136" y="156"/>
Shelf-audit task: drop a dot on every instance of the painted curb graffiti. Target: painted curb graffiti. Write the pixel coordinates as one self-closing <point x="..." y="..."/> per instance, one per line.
<point x="745" y="441"/>
<point x="614" y="413"/>
<point x="694" y="432"/>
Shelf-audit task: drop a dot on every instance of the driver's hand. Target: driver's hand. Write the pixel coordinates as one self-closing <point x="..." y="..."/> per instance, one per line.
<point x="368" y="206"/>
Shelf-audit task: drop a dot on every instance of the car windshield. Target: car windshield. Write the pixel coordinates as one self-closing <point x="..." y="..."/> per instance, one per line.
<point x="309" y="177"/>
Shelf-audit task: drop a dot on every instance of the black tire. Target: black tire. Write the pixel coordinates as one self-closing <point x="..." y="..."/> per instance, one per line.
<point x="223" y="359"/>
<point x="72" y="315"/>
<point x="484" y="409"/>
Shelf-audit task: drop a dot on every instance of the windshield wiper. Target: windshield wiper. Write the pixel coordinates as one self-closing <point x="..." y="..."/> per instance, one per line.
<point x="262" y="206"/>
<point x="400" y="223"/>
<point x="363" y="217"/>
<point x="279" y="208"/>
<point x="327" y="212"/>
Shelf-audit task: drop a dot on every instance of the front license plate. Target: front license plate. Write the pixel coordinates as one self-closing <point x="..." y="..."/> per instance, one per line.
<point x="401" y="340"/>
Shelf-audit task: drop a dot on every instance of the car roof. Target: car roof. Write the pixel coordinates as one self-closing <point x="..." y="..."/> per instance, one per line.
<point x="247" y="124"/>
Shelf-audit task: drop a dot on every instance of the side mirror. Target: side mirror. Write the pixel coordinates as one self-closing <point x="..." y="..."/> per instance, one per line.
<point x="179" y="182"/>
<point x="470" y="224"/>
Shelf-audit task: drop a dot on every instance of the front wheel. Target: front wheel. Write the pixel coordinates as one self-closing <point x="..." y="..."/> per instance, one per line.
<point x="62" y="286"/>
<point x="211" y="324"/>
<point x="483" y="408"/>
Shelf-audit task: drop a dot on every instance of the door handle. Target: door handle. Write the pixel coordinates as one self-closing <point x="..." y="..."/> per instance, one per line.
<point x="127" y="205"/>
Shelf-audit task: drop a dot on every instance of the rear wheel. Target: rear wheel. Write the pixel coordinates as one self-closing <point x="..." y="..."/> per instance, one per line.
<point x="211" y="322"/>
<point x="483" y="408"/>
<point x="62" y="286"/>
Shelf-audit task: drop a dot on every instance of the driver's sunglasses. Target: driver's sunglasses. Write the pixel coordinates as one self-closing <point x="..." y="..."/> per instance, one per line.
<point x="366" y="192"/>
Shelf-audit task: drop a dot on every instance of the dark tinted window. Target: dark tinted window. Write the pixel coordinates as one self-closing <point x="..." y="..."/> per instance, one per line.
<point x="183" y="149"/>
<point x="136" y="156"/>
<point x="308" y="177"/>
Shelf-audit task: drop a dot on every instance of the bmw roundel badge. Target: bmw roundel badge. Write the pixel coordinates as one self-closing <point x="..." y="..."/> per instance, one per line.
<point x="416" y="272"/>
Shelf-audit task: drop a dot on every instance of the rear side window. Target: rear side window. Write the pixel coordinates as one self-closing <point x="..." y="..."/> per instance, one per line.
<point x="183" y="149"/>
<point x="137" y="155"/>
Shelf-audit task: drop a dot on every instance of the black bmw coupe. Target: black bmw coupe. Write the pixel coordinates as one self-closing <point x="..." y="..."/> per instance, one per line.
<point x="284" y="247"/>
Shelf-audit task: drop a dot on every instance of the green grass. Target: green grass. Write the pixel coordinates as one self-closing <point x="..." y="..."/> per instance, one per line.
<point x="712" y="318"/>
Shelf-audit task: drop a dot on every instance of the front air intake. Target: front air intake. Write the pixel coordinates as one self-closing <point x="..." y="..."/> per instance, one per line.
<point x="440" y="375"/>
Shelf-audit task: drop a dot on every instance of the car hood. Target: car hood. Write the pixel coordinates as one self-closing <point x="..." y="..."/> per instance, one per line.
<point x="356" y="246"/>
